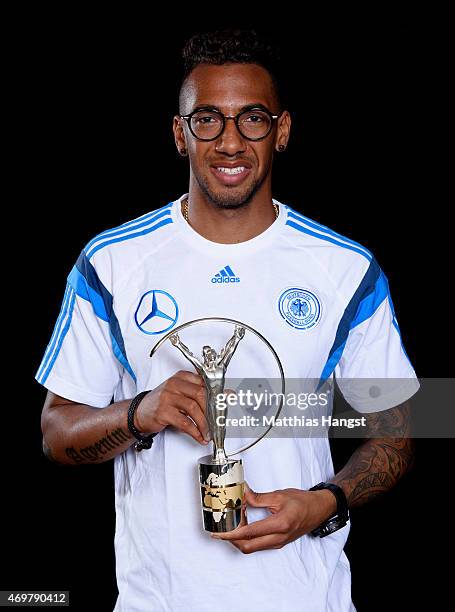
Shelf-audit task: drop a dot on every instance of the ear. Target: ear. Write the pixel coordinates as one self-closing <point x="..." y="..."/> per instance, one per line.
<point x="179" y="135"/>
<point x="283" y="132"/>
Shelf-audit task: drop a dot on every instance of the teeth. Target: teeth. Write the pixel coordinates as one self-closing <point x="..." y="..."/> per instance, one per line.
<point x="237" y="170"/>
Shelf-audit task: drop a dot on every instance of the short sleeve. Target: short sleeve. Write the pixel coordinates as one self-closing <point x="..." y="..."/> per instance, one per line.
<point x="83" y="360"/>
<point x="373" y="372"/>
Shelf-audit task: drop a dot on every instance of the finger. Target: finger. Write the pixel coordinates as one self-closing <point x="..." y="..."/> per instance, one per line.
<point x="244" y="517"/>
<point x="267" y="526"/>
<point x="177" y="418"/>
<point x="190" y="389"/>
<point x="186" y="425"/>
<point x="192" y="409"/>
<point x="189" y="377"/>
<point x="262" y="543"/>
<point x="270" y="499"/>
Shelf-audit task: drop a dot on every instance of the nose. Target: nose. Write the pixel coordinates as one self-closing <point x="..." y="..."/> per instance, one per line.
<point x="230" y="140"/>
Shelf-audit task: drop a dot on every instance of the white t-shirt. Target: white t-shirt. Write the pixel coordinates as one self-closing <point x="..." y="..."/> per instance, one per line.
<point x="322" y="302"/>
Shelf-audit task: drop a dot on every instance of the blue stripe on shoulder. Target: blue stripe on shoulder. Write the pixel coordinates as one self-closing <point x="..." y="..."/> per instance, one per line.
<point x="56" y="333"/>
<point x="323" y="228"/>
<point x="86" y="291"/>
<point x="129" y="225"/>
<point x="371" y="302"/>
<point x="122" y="238"/>
<point x="350" y="247"/>
<point x="369" y="295"/>
<point x="121" y="356"/>
<point x="64" y="327"/>
<point x="86" y="283"/>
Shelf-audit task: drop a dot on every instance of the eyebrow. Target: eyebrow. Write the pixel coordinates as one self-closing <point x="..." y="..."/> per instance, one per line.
<point x="247" y="107"/>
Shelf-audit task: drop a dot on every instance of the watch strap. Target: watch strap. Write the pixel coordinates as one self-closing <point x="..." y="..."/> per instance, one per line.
<point x="341" y="517"/>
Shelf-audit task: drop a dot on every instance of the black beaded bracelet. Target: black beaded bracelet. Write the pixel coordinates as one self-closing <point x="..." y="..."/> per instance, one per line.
<point x="142" y="441"/>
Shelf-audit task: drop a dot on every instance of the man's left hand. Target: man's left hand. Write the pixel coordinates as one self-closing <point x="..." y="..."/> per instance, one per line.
<point x="294" y="512"/>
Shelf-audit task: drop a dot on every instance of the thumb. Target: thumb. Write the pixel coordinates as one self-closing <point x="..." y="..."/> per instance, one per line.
<point x="258" y="500"/>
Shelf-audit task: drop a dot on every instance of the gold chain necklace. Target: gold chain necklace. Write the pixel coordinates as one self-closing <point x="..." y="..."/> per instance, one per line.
<point x="185" y="210"/>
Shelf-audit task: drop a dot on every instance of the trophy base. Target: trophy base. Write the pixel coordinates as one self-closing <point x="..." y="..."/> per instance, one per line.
<point x="227" y="521"/>
<point x="222" y="489"/>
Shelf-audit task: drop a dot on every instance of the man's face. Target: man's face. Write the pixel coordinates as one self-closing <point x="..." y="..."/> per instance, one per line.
<point x="229" y="88"/>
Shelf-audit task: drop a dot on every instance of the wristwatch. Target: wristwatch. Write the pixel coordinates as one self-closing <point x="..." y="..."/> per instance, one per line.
<point x="341" y="517"/>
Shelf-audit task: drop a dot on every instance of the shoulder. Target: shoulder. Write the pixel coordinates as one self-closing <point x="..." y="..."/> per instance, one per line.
<point x="313" y="233"/>
<point x="130" y="234"/>
<point x="329" y="248"/>
<point x="110" y="255"/>
<point x="347" y="263"/>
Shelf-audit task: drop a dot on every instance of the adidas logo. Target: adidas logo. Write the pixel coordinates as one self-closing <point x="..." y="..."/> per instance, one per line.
<point x="226" y="275"/>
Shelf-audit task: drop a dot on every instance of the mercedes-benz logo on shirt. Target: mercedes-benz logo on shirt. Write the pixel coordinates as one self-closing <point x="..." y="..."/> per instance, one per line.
<point x="157" y="312"/>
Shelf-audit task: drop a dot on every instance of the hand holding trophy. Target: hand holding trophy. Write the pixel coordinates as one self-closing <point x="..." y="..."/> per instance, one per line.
<point x="221" y="478"/>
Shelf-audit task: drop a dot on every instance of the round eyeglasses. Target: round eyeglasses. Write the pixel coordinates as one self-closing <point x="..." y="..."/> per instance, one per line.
<point x="209" y="124"/>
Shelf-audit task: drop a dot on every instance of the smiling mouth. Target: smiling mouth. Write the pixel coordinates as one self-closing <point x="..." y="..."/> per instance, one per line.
<point x="236" y="170"/>
<point x="230" y="176"/>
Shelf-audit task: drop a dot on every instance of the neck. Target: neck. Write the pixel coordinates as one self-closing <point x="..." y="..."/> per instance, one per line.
<point x="227" y="226"/>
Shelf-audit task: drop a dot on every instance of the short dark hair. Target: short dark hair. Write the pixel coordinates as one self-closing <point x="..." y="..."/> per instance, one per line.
<point x="233" y="46"/>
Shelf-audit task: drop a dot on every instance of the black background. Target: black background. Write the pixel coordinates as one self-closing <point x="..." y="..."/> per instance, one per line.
<point x="95" y="96"/>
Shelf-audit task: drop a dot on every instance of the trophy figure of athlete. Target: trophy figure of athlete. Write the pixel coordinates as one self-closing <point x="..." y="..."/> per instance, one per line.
<point x="213" y="371"/>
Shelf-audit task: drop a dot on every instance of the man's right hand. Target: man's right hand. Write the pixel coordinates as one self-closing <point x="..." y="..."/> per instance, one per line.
<point x="178" y="401"/>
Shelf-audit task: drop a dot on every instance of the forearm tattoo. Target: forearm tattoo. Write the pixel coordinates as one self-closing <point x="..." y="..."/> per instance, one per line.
<point x="378" y="464"/>
<point x="100" y="449"/>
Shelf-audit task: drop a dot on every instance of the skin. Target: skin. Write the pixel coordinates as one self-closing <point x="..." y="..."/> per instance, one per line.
<point x="76" y="433"/>
<point x="228" y="214"/>
<point x="374" y="468"/>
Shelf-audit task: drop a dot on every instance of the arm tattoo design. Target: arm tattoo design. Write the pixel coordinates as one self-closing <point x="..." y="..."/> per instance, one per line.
<point x="96" y="451"/>
<point x="378" y="464"/>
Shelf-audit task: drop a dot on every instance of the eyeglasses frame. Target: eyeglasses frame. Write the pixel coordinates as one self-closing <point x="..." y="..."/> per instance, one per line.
<point x="235" y="118"/>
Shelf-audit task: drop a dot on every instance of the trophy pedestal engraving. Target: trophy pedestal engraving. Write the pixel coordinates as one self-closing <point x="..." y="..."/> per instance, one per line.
<point x="222" y="487"/>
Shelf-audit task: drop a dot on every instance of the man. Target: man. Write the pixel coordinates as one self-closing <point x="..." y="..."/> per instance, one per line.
<point x="323" y="304"/>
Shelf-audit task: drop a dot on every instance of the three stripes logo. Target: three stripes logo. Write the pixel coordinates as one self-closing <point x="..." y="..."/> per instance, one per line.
<point x="226" y="275"/>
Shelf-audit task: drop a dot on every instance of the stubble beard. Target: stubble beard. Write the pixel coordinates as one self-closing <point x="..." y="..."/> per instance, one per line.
<point x="230" y="199"/>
